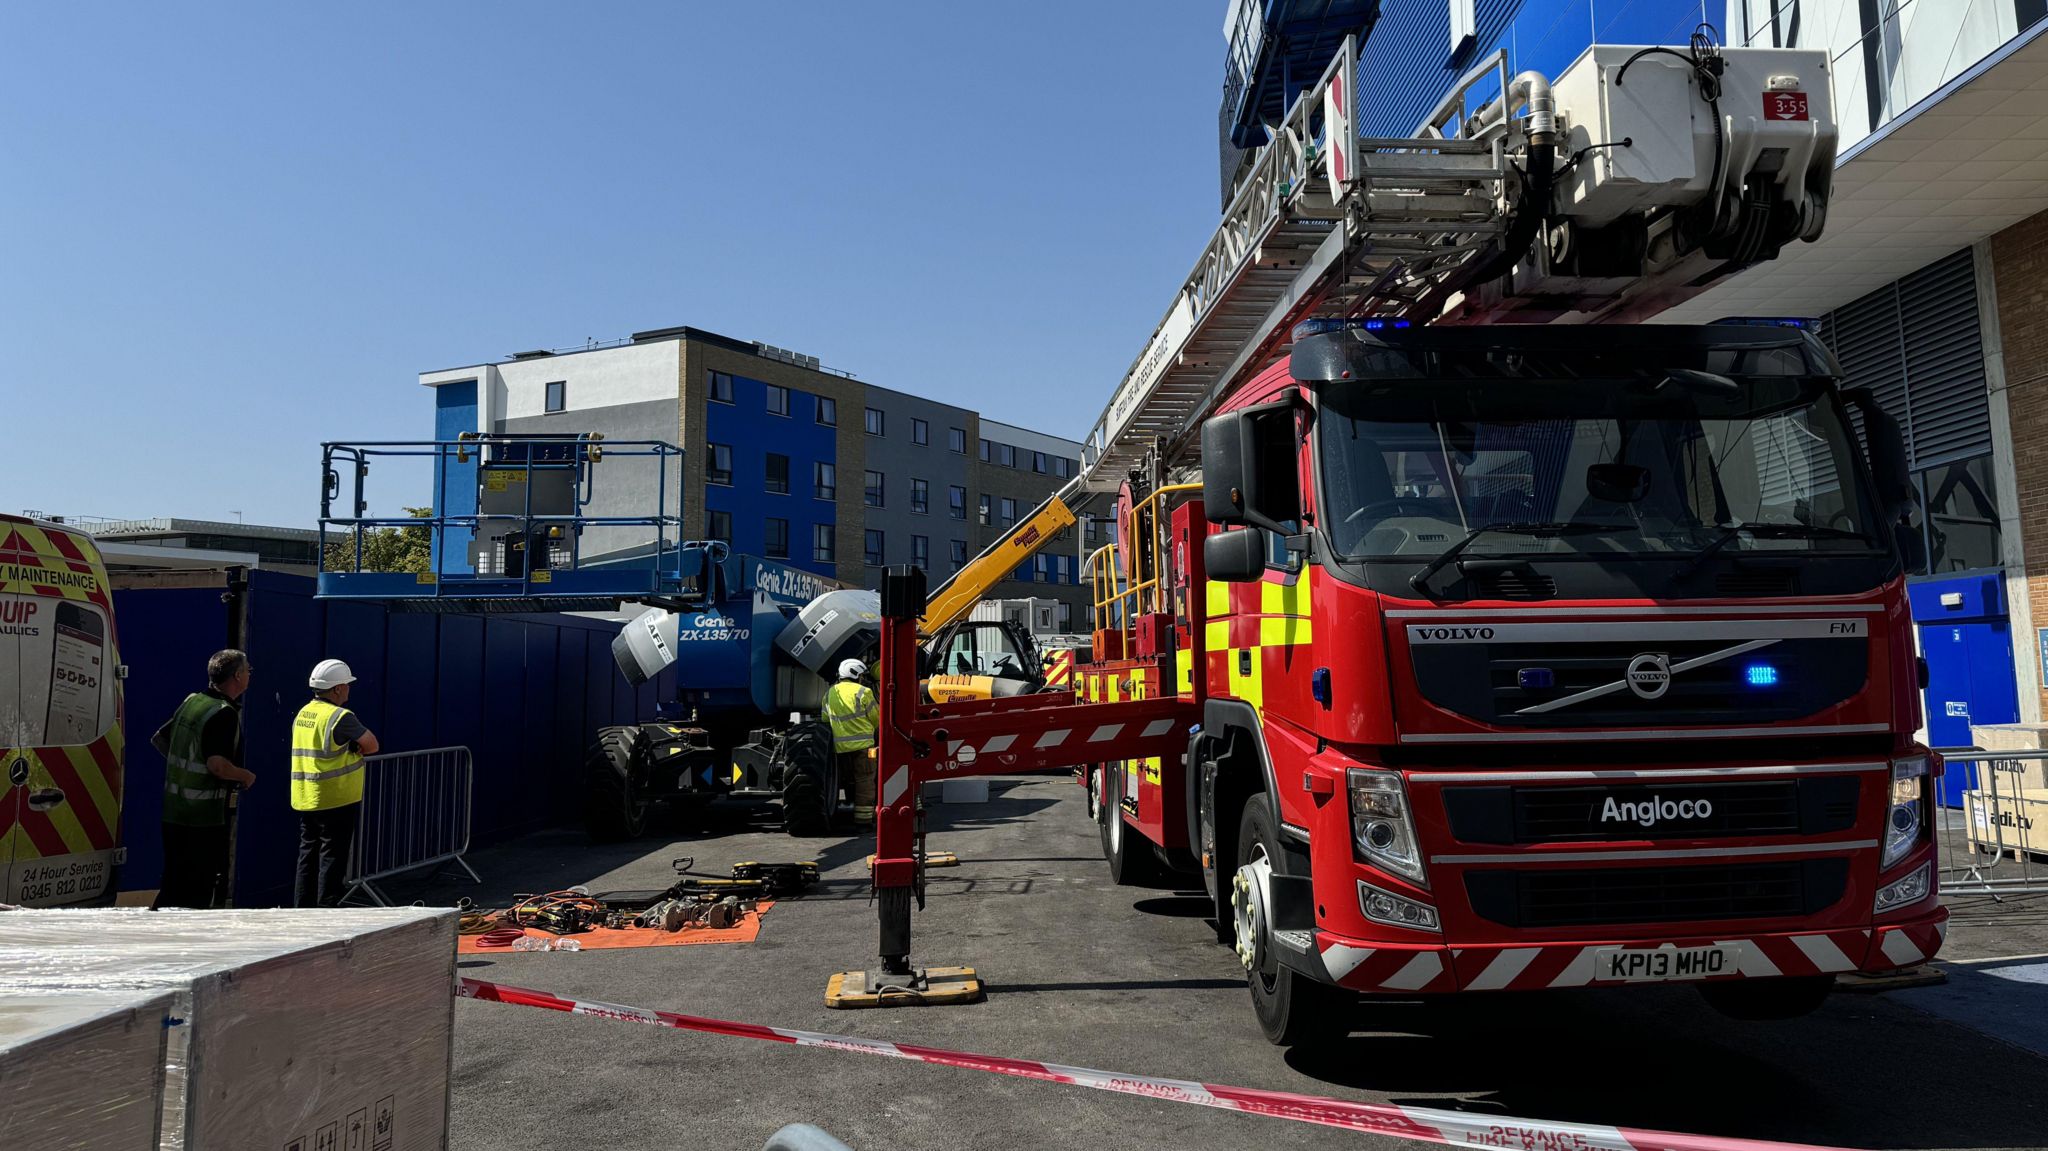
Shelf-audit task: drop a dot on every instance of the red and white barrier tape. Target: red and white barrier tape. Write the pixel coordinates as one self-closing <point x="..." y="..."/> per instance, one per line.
<point x="1420" y="1124"/>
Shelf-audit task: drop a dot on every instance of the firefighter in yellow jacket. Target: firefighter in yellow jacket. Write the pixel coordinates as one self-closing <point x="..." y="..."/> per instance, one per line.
<point x="328" y="746"/>
<point x="854" y="712"/>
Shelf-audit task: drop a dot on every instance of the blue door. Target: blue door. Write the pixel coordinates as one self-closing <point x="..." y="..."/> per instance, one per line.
<point x="1967" y="641"/>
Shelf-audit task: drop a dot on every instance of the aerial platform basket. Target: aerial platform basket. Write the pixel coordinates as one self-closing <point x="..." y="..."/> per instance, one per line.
<point x="516" y="525"/>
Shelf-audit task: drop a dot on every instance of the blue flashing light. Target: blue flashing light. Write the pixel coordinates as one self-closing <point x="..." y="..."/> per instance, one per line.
<point x="1806" y="323"/>
<point x="1761" y="675"/>
<point x="1530" y="678"/>
<point x="1326" y="325"/>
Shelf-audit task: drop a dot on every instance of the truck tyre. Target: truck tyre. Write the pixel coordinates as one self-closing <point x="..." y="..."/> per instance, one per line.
<point x="1293" y="1010"/>
<point x="615" y="785"/>
<point x="1786" y="997"/>
<point x="810" y="783"/>
<point x="1131" y="863"/>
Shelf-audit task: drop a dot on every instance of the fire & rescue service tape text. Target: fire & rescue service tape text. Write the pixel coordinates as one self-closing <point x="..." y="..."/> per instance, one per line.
<point x="1420" y="1124"/>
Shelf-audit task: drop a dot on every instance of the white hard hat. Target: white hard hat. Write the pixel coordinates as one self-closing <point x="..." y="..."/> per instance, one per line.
<point x="330" y="673"/>
<point x="852" y="669"/>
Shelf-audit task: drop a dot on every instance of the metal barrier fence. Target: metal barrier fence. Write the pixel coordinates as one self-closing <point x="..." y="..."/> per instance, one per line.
<point x="1997" y="844"/>
<point x="416" y="813"/>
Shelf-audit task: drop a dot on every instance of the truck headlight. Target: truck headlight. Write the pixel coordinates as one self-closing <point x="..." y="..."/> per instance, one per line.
<point x="1902" y="892"/>
<point x="1905" y="818"/>
<point x="1382" y="829"/>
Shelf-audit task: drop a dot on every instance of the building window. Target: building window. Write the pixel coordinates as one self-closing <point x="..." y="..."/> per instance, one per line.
<point x="920" y="497"/>
<point x="778" y="475"/>
<point x="921" y="552"/>
<point x="871" y="546"/>
<point x="872" y="494"/>
<point x="1066" y="615"/>
<point x="987" y="451"/>
<point x="1042" y="568"/>
<point x="956" y="439"/>
<point x="828" y="411"/>
<point x="1062" y="467"/>
<point x="777" y="539"/>
<point x="959" y="554"/>
<point x="982" y="513"/>
<point x="823" y="549"/>
<point x="718" y="465"/>
<point x="956" y="502"/>
<point x="920" y="432"/>
<point x="778" y="400"/>
<point x="1006" y="455"/>
<point x="1962" y="517"/>
<point x="718" y="526"/>
<point x="825" y="481"/>
<point x="874" y="421"/>
<point x="1038" y="462"/>
<point x="1023" y="572"/>
<point x="557" y="396"/>
<point x="1008" y="510"/>
<point x="721" y="388"/>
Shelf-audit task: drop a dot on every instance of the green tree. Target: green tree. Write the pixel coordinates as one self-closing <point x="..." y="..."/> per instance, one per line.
<point x="406" y="549"/>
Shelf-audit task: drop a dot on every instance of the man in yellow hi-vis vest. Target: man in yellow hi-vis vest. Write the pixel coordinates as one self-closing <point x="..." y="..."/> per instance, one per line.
<point x="328" y="746"/>
<point x="855" y="715"/>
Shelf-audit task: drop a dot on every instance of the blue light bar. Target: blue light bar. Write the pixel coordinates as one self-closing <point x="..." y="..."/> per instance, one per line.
<point x="1761" y="675"/>
<point x="1805" y="323"/>
<point x="1323" y="326"/>
<point x="1532" y="678"/>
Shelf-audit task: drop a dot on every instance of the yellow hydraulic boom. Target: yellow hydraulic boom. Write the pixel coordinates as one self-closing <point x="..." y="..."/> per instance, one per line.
<point x="958" y="595"/>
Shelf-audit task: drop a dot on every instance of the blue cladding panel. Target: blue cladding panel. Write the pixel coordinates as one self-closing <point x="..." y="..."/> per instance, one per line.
<point x="455" y="413"/>
<point x="165" y="636"/>
<point x="751" y="432"/>
<point x="1968" y="648"/>
<point x="1403" y="68"/>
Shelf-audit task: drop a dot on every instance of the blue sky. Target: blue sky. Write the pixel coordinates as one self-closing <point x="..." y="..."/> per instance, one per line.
<point x="228" y="233"/>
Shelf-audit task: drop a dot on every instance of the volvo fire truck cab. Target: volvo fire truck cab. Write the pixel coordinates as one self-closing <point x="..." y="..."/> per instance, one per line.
<point x="1526" y="660"/>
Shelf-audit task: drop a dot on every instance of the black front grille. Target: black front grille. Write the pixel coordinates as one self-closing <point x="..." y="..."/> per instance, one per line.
<point x="1620" y="895"/>
<point x="1511" y="583"/>
<point x="1499" y="682"/>
<point x="1549" y="814"/>
<point x="1757" y="581"/>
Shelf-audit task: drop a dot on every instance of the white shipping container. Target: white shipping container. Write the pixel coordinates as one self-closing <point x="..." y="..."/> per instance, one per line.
<point x="82" y="1070"/>
<point x="301" y="1029"/>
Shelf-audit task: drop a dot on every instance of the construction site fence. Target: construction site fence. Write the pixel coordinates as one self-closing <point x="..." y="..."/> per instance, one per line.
<point x="1996" y="843"/>
<point x="415" y="815"/>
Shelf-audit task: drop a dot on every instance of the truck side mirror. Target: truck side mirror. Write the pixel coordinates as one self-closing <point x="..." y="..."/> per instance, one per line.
<point x="1248" y="467"/>
<point x="1887" y="447"/>
<point x="1236" y="557"/>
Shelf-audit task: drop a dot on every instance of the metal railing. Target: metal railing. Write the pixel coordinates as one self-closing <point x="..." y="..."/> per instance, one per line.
<point x="1990" y="847"/>
<point x="415" y="814"/>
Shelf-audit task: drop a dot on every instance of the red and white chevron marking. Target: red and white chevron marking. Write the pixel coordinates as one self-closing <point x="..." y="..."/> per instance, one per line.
<point x="1060" y="737"/>
<point x="1419" y="1124"/>
<point x="1435" y="969"/>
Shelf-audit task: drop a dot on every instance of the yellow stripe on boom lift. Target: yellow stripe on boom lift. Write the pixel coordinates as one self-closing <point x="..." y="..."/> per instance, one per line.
<point x="958" y="595"/>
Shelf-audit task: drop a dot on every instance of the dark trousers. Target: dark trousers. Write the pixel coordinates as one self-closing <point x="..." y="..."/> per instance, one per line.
<point x="324" y="841"/>
<point x="195" y="860"/>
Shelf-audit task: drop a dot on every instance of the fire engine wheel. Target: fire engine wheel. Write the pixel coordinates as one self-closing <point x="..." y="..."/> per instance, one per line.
<point x="810" y="784"/>
<point x="1131" y="863"/>
<point x="1787" y="997"/>
<point x="614" y="785"/>
<point x="1293" y="1010"/>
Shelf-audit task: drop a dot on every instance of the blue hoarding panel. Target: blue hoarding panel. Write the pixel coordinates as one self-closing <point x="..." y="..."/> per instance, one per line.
<point x="166" y="635"/>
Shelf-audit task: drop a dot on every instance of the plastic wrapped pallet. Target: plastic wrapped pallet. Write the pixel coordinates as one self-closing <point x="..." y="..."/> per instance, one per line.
<point x="82" y="1069"/>
<point x="316" y="1030"/>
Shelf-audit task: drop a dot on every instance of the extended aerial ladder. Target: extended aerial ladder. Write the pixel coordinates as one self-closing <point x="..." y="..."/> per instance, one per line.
<point x="1641" y="176"/>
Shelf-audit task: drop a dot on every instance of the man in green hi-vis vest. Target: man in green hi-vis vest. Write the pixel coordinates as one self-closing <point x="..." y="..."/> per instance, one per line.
<point x="202" y="750"/>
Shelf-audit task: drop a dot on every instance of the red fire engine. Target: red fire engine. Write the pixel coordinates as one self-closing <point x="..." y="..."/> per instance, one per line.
<point x="1459" y="654"/>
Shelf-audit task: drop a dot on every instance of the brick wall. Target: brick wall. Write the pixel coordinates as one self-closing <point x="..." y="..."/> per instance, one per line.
<point x="2019" y="260"/>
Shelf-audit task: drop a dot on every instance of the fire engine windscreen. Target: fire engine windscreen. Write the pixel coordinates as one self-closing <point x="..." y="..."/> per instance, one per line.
<point x="1517" y="457"/>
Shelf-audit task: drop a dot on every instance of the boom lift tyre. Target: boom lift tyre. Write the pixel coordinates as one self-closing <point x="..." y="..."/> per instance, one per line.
<point x="615" y="779"/>
<point x="810" y="780"/>
<point x="1131" y="862"/>
<point x="1293" y="1010"/>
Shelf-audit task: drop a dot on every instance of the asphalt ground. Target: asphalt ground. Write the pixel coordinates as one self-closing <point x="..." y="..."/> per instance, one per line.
<point x="1083" y="972"/>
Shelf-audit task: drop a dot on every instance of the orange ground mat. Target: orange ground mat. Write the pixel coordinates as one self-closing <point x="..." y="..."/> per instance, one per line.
<point x="605" y="939"/>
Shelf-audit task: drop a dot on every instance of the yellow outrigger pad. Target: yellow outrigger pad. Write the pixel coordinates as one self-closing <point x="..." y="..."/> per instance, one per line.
<point x="942" y="985"/>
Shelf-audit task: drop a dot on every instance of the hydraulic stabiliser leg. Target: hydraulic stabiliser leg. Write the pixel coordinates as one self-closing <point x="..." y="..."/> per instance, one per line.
<point x="896" y="980"/>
